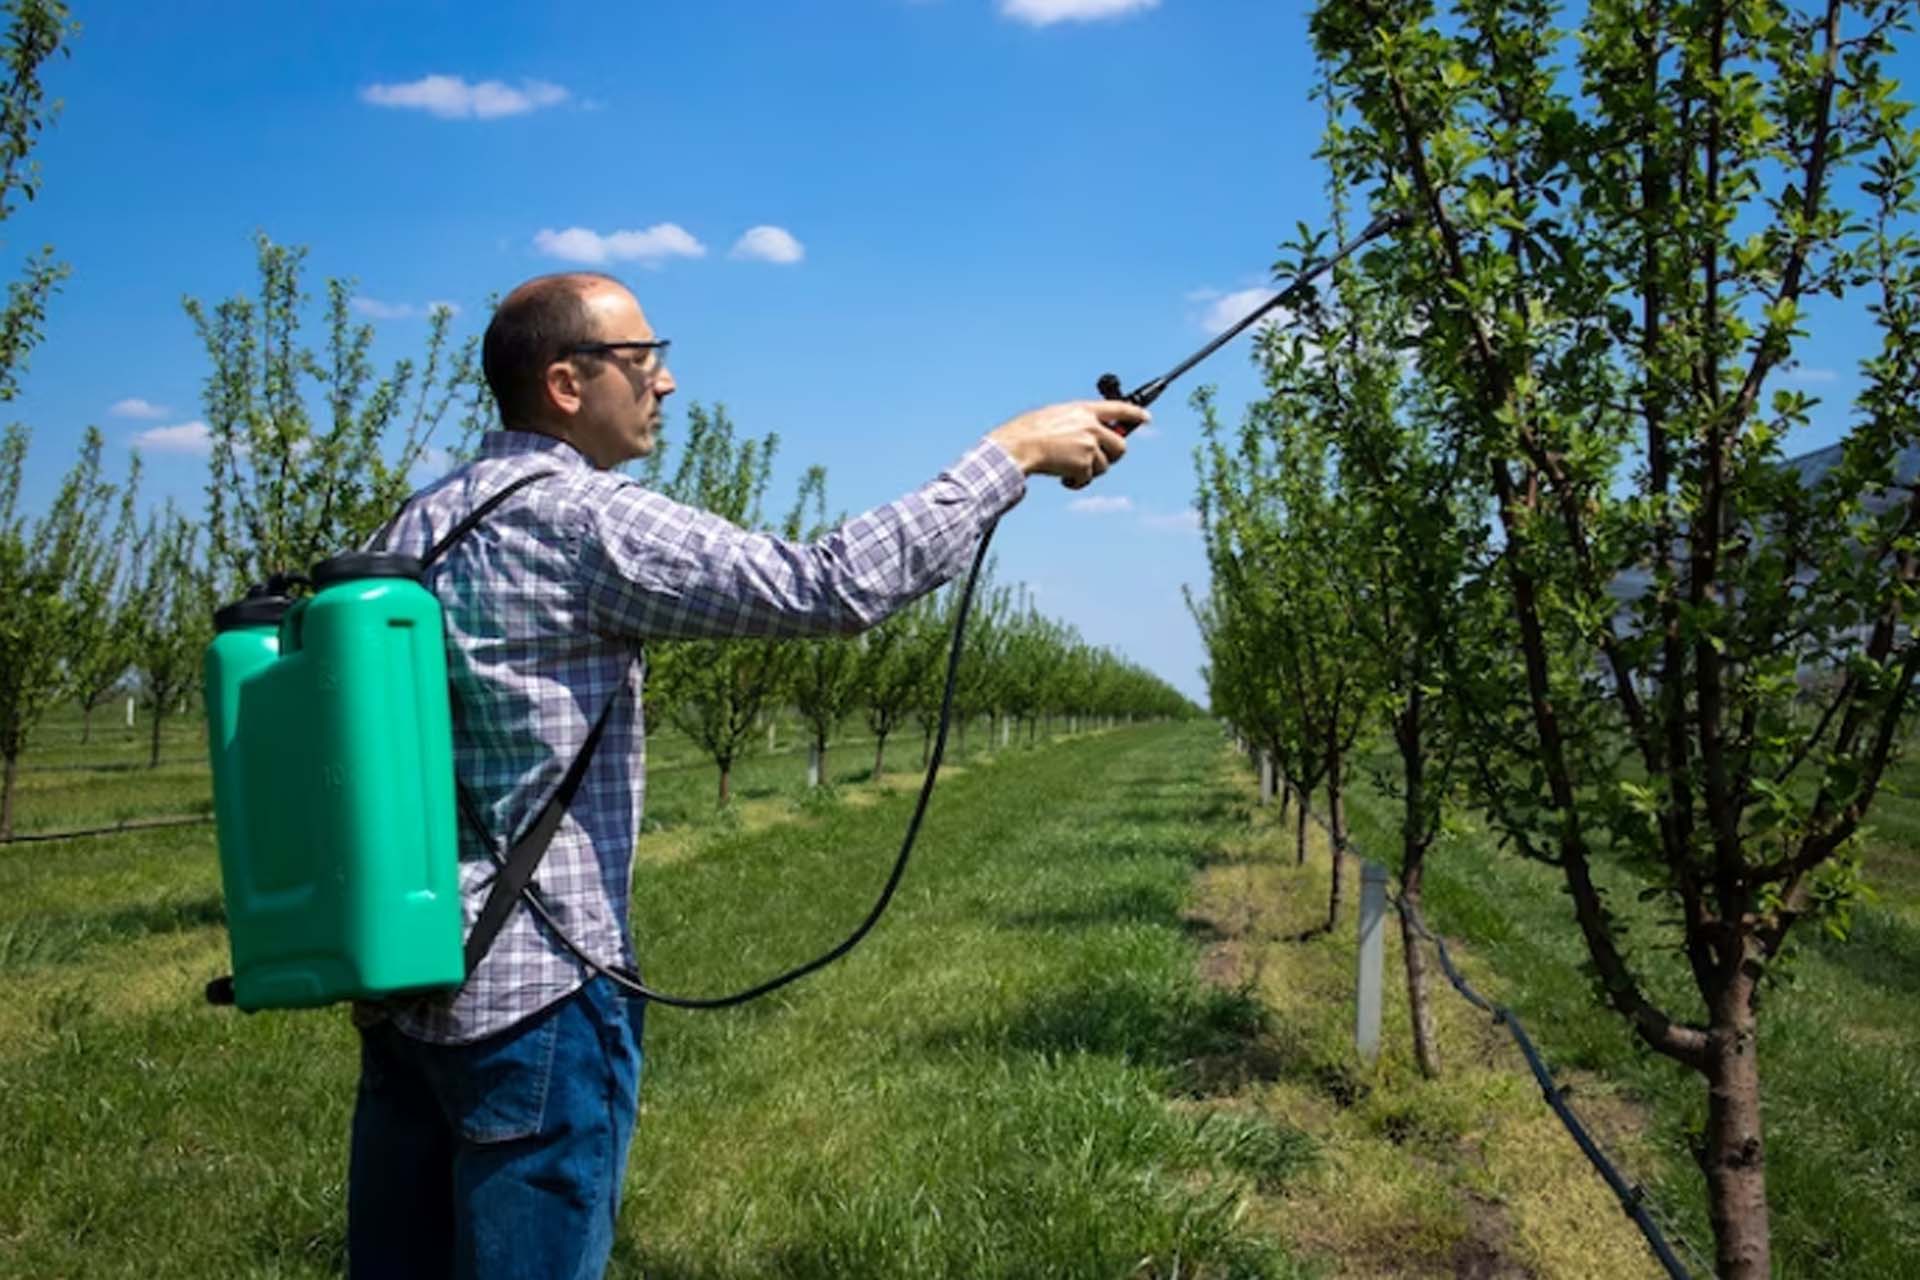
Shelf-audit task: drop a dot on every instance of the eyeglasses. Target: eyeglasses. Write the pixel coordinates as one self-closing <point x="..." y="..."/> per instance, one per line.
<point x="658" y="348"/>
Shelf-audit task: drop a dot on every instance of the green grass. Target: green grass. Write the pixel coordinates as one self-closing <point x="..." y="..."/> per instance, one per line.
<point x="1004" y="1081"/>
<point x="1080" y="1044"/>
<point x="1839" y="1046"/>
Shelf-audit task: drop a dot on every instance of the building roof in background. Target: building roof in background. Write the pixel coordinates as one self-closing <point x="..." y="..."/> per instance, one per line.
<point x="1632" y="583"/>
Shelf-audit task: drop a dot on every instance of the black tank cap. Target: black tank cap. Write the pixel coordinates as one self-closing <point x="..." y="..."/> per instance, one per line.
<point x="364" y="564"/>
<point x="251" y="610"/>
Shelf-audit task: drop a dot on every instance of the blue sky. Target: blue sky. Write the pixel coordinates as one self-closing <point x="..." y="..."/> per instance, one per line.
<point x="877" y="227"/>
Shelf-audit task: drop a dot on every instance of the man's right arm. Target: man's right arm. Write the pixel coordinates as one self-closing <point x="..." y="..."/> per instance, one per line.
<point x="656" y="569"/>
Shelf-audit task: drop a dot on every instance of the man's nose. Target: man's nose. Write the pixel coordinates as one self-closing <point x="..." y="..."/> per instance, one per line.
<point x="664" y="385"/>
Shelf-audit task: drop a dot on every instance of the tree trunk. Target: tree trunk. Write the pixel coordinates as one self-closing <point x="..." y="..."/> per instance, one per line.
<point x="12" y="768"/>
<point x="1735" y="1158"/>
<point x="1033" y="729"/>
<point x="1286" y="797"/>
<point x="1336" y="835"/>
<point x="1424" y="1051"/>
<point x="726" y="779"/>
<point x="1300" y="831"/>
<point x="1409" y="732"/>
<point x="879" y="756"/>
<point x="817" y="761"/>
<point x="153" y="755"/>
<point x="86" y="724"/>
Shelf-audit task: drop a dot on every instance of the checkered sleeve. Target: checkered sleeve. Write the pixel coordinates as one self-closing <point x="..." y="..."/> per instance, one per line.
<point x="655" y="568"/>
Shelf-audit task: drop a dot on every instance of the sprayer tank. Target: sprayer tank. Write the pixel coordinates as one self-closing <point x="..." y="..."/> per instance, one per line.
<point x="331" y="743"/>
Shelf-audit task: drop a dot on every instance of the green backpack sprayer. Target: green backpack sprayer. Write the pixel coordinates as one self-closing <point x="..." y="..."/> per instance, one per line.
<point x="330" y="731"/>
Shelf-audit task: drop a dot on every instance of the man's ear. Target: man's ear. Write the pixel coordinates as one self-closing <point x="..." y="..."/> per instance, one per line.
<point x="563" y="387"/>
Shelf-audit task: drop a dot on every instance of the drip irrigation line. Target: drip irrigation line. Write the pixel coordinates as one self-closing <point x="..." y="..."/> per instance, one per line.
<point x="131" y="824"/>
<point x="116" y="766"/>
<point x="1633" y="1197"/>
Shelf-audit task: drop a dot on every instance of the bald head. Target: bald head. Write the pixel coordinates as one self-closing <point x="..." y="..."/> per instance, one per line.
<point x="604" y="401"/>
<point x="531" y="326"/>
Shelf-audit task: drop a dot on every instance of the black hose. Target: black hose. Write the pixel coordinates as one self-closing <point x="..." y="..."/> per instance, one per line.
<point x="630" y="983"/>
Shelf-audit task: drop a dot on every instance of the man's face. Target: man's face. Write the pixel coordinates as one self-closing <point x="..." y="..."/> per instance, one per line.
<point x="618" y="418"/>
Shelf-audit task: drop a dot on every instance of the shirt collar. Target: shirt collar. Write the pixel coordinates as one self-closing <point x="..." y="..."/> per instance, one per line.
<point x="509" y="444"/>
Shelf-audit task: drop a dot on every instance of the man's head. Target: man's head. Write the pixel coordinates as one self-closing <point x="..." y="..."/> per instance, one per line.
<point x="606" y="403"/>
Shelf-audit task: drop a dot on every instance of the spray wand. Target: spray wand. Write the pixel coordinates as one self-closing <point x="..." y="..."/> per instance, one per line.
<point x="1147" y="392"/>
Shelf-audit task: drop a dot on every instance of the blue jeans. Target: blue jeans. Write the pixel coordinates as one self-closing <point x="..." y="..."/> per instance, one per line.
<point x="498" y="1158"/>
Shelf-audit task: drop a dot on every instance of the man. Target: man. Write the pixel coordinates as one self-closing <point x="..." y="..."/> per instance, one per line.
<point x="491" y="1129"/>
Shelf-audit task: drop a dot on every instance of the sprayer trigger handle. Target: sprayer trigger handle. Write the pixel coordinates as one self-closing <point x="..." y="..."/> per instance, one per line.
<point x="1108" y="388"/>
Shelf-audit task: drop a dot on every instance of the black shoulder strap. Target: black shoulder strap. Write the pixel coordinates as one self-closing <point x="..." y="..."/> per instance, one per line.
<point x="475" y="516"/>
<point x="516" y="871"/>
<point x="461" y="530"/>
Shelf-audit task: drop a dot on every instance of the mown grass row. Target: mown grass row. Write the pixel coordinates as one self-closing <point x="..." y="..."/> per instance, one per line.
<point x="65" y="784"/>
<point x="1011" y="1078"/>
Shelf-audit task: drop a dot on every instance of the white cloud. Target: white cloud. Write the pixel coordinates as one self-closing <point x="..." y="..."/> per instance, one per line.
<point x="452" y="98"/>
<point x="649" y="248"/>
<point x="1230" y="309"/>
<point x="1804" y="374"/>
<point x="381" y="310"/>
<point x="1100" y="504"/>
<point x="768" y="244"/>
<point x="1187" y="521"/>
<point x="1043" y="13"/>
<point x="432" y="463"/>
<point x="135" y="407"/>
<point x="375" y="309"/>
<point x="188" y="437"/>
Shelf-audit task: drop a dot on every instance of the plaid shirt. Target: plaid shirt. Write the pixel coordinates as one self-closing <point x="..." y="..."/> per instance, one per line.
<point x="547" y="603"/>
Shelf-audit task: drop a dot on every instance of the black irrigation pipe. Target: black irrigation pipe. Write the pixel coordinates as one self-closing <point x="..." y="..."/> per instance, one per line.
<point x="130" y="824"/>
<point x="116" y="766"/>
<point x="1633" y="1197"/>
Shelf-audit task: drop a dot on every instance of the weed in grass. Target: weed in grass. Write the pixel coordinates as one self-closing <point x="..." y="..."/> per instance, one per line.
<point x="816" y="801"/>
<point x="1269" y="1151"/>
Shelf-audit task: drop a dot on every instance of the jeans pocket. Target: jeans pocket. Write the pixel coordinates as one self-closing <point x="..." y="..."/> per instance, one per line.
<point x="498" y="1087"/>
